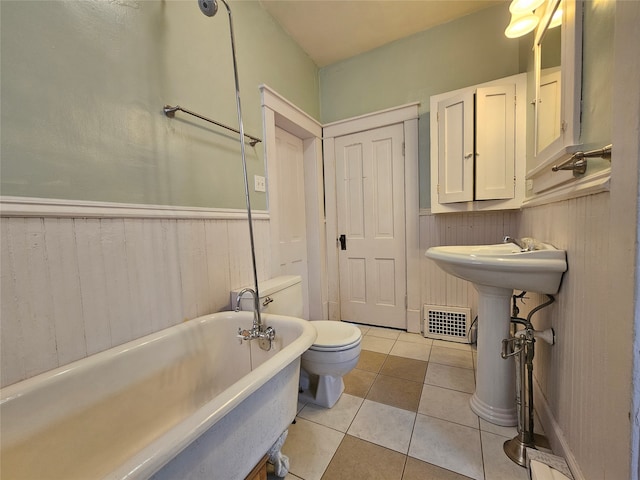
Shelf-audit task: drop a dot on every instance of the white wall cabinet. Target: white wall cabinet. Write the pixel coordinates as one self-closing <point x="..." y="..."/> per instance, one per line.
<point x="478" y="147"/>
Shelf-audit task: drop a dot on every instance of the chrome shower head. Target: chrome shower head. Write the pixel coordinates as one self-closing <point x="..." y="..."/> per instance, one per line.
<point x="208" y="7"/>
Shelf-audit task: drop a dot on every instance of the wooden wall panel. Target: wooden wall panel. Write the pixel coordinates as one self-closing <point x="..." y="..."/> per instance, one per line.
<point x="72" y="287"/>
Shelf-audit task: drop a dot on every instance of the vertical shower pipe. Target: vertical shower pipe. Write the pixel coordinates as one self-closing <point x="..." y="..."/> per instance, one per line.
<point x="244" y="168"/>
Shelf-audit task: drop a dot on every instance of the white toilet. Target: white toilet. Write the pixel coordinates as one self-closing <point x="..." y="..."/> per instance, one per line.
<point x="335" y="352"/>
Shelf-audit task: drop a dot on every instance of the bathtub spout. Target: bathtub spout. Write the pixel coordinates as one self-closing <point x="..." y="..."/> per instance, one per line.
<point x="256" y="305"/>
<point x="265" y="335"/>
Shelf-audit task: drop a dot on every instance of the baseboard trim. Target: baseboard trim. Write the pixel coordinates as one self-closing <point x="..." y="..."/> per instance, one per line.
<point x="58" y="208"/>
<point x="554" y="433"/>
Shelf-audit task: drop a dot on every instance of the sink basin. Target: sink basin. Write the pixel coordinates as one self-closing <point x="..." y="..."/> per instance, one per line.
<point x="504" y="265"/>
<point x="496" y="271"/>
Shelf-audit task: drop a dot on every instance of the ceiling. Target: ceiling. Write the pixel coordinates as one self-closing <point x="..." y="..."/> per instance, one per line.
<point x="333" y="30"/>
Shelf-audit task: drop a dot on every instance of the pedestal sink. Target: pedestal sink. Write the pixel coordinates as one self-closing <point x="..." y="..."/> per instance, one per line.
<point x="495" y="271"/>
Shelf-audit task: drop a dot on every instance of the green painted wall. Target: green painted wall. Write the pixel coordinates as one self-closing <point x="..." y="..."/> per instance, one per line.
<point x="84" y="83"/>
<point x="464" y="52"/>
<point x="597" y="73"/>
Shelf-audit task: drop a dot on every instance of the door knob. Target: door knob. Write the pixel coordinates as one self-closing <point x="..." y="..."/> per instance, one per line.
<point x="343" y="241"/>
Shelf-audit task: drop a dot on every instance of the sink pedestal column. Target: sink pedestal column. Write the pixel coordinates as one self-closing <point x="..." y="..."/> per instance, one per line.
<point x="494" y="399"/>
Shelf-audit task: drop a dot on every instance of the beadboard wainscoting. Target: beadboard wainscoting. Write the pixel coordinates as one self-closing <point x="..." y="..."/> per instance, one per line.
<point x="574" y="395"/>
<point x="440" y="288"/>
<point x="72" y="287"/>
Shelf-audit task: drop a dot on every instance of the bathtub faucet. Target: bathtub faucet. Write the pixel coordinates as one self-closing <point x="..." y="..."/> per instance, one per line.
<point x="265" y="335"/>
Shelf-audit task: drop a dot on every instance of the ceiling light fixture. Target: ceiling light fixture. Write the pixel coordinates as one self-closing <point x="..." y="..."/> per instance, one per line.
<point x="521" y="25"/>
<point x="519" y="7"/>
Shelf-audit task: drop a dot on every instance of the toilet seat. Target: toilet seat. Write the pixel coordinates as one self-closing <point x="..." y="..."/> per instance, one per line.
<point x="335" y="336"/>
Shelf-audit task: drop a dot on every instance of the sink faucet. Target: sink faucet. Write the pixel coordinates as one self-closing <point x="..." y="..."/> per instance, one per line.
<point x="521" y="243"/>
<point x="265" y="335"/>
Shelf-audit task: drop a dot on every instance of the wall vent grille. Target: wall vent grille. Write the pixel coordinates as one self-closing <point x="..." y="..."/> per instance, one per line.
<point x="447" y="323"/>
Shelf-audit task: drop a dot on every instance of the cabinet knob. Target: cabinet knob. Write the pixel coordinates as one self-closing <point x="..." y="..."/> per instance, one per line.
<point x="468" y="155"/>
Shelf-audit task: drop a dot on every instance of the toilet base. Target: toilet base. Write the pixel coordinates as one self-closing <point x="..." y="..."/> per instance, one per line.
<point x="321" y="390"/>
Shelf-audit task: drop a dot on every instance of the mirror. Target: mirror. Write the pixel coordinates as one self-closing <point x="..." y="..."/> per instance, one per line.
<point x="557" y="55"/>
<point x="549" y="88"/>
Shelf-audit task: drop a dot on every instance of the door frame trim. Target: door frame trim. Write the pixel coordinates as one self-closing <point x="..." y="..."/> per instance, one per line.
<point x="407" y="115"/>
<point x="279" y="112"/>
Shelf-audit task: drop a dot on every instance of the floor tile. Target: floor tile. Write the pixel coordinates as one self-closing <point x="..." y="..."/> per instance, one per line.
<point x="406" y="368"/>
<point x="363" y="328"/>
<point x="339" y="417"/>
<point x="447" y="445"/>
<point x="384" y="333"/>
<point x="506" y="432"/>
<point x="290" y="476"/>
<point x="310" y="448"/>
<point x="452" y="357"/>
<point x="358" y="459"/>
<point x="449" y="344"/>
<point x="455" y="378"/>
<point x="448" y="405"/>
<point x="404" y="415"/>
<point x="417" y="351"/>
<point x="396" y="392"/>
<point x="370" y="361"/>
<point x="414" y="338"/>
<point x="358" y="382"/>
<point x="418" y="470"/>
<point x="377" y="344"/>
<point x="383" y="425"/>
<point x="497" y="466"/>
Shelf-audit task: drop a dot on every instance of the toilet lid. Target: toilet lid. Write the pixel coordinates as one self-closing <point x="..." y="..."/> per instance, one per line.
<point x="333" y="335"/>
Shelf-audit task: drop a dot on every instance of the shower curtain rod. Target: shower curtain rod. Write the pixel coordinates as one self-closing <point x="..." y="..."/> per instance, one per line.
<point x="170" y="112"/>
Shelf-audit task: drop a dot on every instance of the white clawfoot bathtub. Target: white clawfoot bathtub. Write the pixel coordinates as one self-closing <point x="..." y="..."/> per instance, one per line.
<point x="190" y="401"/>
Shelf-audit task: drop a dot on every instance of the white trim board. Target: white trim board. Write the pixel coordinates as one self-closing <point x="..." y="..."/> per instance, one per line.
<point x="59" y="208"/>
<point x="279" y="112"/>
<point x="590" y="185"/>
<point x="372" y="120"/>
<point x="554" y="433"/>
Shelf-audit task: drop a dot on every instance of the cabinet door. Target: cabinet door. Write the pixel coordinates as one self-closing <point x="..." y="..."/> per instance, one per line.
<point x="455" y="149"/>
<point x="495" y="142"/>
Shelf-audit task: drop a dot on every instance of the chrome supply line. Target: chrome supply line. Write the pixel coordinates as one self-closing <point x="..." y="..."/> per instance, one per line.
<point x="170" y="112"/>
<point x="259" y="329"/>
<point x="521" y="346"/>
<point x="578" y="161"/>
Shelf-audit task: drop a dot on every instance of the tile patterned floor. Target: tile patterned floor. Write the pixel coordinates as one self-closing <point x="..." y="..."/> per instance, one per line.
<point x="404" y="416"/>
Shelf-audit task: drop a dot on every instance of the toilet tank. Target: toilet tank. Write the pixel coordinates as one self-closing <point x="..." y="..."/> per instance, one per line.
<point x="280" y="295"/>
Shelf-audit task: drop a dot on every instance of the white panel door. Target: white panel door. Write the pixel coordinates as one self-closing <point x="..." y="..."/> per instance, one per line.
<point x="371" y="216"/>
<point x="287" y="198"/>
<point x="455" y="148"/>
<point x="495" y="142"/>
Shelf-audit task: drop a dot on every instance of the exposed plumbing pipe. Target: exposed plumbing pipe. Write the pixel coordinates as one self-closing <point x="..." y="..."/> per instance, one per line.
<point x="521" y="346"/>
<point x="210" y="8"/>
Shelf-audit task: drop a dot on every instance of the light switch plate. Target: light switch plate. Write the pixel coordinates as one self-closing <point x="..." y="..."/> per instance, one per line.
<point x="259" y="183"/>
